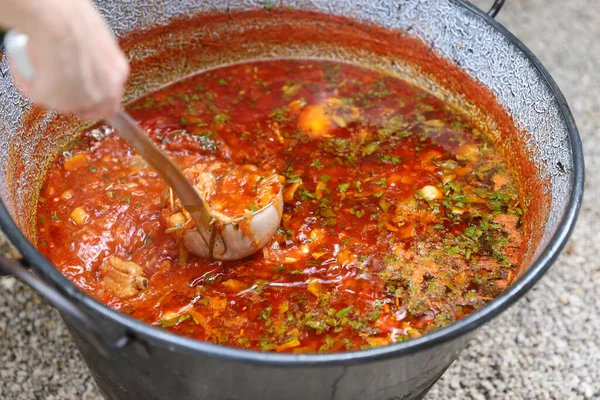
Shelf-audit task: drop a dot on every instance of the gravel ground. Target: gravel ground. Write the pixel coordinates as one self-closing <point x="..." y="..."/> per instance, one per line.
<point x="545" y="347"/>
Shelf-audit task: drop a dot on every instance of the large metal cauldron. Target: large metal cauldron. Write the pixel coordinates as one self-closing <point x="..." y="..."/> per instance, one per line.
<point x="480" y="67"/>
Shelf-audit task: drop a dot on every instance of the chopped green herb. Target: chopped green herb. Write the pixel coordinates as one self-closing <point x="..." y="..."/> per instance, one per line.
<point x="280" y="114"/>
<point x="382" y="182"/>
<point x="265" y="314"/>
<point x="373" y="316"/>
<point x="268" y="5"/>
<point x="168" y="323"/>
<point x="327" y="213"/>
<point x="470" y="230"/>
<point x="358" y="213"/>
<point x="343" y="312"/>
<point x="317" y="164"/>
<point x="370" y="148"/>
<point x="221" y="118"/>
<point x="384" y="205"/>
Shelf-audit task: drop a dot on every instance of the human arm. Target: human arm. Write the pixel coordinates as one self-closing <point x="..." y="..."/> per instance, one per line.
<point x="78" y="65"/>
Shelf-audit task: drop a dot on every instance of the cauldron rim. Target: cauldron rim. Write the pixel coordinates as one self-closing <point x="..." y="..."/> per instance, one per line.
<point x="156" y="336"/>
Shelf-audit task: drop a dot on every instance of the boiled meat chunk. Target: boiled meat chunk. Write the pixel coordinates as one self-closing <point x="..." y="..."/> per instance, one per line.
<point x="122" y="278"/>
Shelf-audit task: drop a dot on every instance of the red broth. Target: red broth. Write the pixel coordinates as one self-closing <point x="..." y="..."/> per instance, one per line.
<point x="400" y="217"/>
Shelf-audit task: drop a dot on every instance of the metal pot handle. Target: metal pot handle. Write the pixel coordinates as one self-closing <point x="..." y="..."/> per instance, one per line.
<point x="496" y="7"/>
<point x="87" y="327"/>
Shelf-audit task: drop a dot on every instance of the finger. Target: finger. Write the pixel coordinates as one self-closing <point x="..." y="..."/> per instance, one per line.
<point x="109" y="79"/>
<point x="24" y="85"/>
<point x="91" y="114"/>
<point x="85" y="114"/>
<point x="104" y="110"/>
<point x="109" y="86"/>
<point x="123" y="65"/>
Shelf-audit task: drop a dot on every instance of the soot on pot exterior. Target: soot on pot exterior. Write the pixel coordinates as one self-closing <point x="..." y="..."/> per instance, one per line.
<point x="153" y="364"/>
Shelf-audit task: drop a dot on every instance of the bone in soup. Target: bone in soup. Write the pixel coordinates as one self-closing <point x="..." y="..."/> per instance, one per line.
<point x="399" y="216"/>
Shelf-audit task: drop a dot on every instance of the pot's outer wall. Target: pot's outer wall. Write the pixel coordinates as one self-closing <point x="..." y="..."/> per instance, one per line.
<point x="193" y="377"/>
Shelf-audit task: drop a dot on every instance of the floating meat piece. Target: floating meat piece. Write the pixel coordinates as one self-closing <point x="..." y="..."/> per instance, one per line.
<point x="123" y="278"/>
